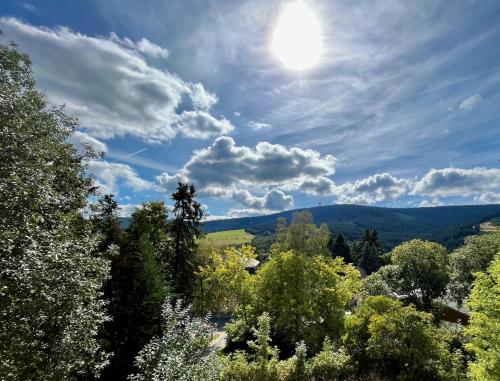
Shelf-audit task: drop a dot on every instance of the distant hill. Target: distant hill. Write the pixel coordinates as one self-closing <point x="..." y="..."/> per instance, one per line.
<point x="445" y="224"/>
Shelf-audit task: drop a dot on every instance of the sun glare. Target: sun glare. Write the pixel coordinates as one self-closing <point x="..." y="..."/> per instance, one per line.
<point x="297" y="40"/>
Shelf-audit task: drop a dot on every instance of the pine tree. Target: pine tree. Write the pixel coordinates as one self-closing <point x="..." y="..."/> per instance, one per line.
<point x="340" y="248"/>
<point x="138" y="290"/>
<point x="106" y="221"/>
<point x="185" y="229"/>
<point x="368" y="252"/>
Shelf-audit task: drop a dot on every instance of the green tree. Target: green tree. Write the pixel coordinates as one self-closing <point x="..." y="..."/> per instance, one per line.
<point x="368" y="252"/>
<point x="388" y="340"/>
<point x="484" y="328"/>
<point x="138" y="290"/>
<point x="302" y="236"/>
<point x="475" y="255"/>
<point x="305" y="297"/>
<point x="50" y="274"/>
<point x="223" y="281"/>
<point x="185" y="229"/>
<point x="423" y="271"/>
<point x="340" y="248"/>
<point x="106" y="222"/>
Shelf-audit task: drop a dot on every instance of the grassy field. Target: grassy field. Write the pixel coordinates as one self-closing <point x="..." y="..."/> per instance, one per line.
<point x="491" y="226"/>
<point x="228" y="238"/>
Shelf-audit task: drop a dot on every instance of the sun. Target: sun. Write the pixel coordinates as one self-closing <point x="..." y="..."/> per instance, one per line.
<point x="297" y="40"/>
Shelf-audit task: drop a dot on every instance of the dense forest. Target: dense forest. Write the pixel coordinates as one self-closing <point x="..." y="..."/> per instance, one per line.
<point x="447" y="225"/>
<point x="83" y="298"/>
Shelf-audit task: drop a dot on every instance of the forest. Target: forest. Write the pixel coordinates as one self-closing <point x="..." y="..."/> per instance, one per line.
<point x="83" y="298"/>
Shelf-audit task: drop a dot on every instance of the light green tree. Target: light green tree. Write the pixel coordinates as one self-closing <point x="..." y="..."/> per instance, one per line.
<point x="484" y="328"/>
<point x="302" y="236"/>
<point x="51" y="275"/>
<point x="305" y="297"/>
<point x="388" y="340"/>
<point x="475" y="255"/>
<point x="423" y="271"/>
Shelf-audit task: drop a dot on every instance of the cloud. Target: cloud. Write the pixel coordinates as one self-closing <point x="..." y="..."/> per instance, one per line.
<point x="258" y="125"/>
<point x="359" y="199"/>
<point x="430" y="203"/>
<point x="79" y="139"/>
<point x="126" y="210"/>
<point x="201" y="125"/>
<point x="110" y="175"/>
<point x="470" y="102"/>
<point x="488" y="198"/>
<point x="224" y="164"/>
<point x="143" y="45"/>
<point x="448" y="182"/>
<point x="110" y="85"/>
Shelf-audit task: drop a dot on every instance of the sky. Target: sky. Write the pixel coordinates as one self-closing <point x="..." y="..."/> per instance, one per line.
<point x="401" y="109"/>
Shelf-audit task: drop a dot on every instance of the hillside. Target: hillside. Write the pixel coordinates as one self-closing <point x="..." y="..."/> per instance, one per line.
<point x="228" y="238"/>
<point x="445" y="224"/>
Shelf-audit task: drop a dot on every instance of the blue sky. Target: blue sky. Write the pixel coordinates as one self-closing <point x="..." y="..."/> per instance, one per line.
<point x="401" y="110"/>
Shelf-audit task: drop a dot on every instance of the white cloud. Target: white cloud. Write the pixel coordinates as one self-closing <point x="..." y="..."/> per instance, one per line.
<point x="80" y="139"/>
<point x="109" y="84"/>
<point x="110" y="175"/>
<point x="258" y="125"/>
<point x="430" y="203"/>
<point x="201" y="125"/>
<point x="126" y="210"/>
<point x="224" y="164"/>
<point x="143" y="45"/>
<point x="458" y="182"/>
<point x="488" y="198"/>
<point x="359" y="199"/>
<point x="470" y="102"/>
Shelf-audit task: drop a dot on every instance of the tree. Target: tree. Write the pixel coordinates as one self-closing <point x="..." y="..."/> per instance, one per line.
<point x="484" y="327"/>
<point x="185" y="229"/>
<point x="305" y="297"/>
<point x="50" y="273"/>
<point x="106" y="222"/>
<point x="138" y="290"/>
<point x="388" y="340"/>
<point x="182" y="351"/>
<point x="340" y="248"/>
<point x="423" y="271"/>
<point x="475" y="255"/>
<point x="368" y="252"/>
<point x="222" y="282"/>
<point x="302" y="236"/>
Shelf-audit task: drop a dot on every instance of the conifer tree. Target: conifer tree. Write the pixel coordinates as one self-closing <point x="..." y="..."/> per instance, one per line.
<point x="185" y="229"/>
<point x="340" y="248"/>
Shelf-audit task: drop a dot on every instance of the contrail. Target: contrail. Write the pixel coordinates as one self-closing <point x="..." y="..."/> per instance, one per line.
<point x="137" y="152"/>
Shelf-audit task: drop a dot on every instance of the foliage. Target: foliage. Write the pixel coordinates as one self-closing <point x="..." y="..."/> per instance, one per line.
<point x="223" y="281"/>
<point x="340" y="248"/>
<point x="182" y="351"/>
<point x="475" y="255"/>
<point x="484" y="327"/>
<point x="368" y="252"/>
<point x="423" y="271"/>
<point x="302" y="236"/>
<point x="397" y="342"/>
<point x="138" y="289"/>
<point x="385" y="281"/>
<point x="50" y="275"/>
<point x="185" y="230"/>
<point x="305" y="296"/>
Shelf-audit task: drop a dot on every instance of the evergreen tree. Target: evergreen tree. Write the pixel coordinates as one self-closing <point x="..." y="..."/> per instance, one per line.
<point x="368" y="252"/>
<point x="106" y="221"/>
<point x="50" y="274"/>
<point x="138" y="290"/>
<point x="185" y="229"/>
<point x="340" y="248"/>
